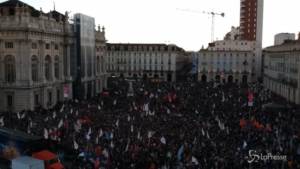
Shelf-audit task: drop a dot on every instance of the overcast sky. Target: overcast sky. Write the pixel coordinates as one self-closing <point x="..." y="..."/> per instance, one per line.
<point x="159" y="21"/>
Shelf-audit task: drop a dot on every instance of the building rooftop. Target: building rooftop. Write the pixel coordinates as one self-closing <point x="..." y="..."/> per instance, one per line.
<point x="12" y="4"/>
<point x="57" y="15"/>
<point x="227" y="51"/>
<point x="142" y="46"/>
<point x="288" y="45"/>
<point x="9" y="7"/>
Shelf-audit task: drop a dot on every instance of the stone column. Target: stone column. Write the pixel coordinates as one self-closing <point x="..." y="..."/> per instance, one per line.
<point x="1" y="62"/>
<point x="297" y="93"/>
<point x="52" y="55"/>
<point x="61" y="61"/>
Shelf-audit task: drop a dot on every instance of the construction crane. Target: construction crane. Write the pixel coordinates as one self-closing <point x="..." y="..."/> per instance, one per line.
<point x="213" y="14"/>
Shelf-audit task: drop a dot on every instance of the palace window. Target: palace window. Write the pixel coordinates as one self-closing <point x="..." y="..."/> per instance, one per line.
<point x="34" y="46"/>
<point x="98" y="64"/>
<point x="102" y="63"/>
<point x="47" y="46"/>
<point x="9" y="45"/>
<point x="34" y="68"/>
<point x="56" y="67"/>
<point x="48" y="67"/>
<point x="10" y="69"/>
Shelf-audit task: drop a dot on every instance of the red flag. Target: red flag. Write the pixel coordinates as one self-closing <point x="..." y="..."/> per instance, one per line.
<point x="105" y="93"/>
<point x="242" y="123"/>
<point x="250" y="97"/>
<point x="97" y="163"/>
<point x="174" y="96"/>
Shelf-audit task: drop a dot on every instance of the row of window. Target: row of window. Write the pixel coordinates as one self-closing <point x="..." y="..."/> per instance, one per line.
<point x="225" y="70"/>
<point x="87" y="63"/>
<point x="10" y="68"/>
<point x="49" y="65"/>
<point x="211" y="61"/>
<point x="142" y="48"/>
<point x="231" y="55"/>
<point x="282" y="67"/>
<point x="47" y="46"/>
<point x="100" y="64"/>
<point x="10" y="45"/>
<point x="135" y="61"/>
<point x="140" y="54"/>
<point x="98" y="49"/>
<point x="140" y="62"/>
<point x="224" y="63"/>
<point x="242" y="43"/>
<point x="137" y="68"/>
<point x="129" y="60"/>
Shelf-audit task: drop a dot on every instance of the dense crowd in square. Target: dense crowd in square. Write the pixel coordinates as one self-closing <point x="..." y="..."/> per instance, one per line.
<point x="170" y="126"/>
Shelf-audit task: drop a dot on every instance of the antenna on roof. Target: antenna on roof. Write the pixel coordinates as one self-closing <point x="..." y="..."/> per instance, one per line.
<point x="53" y="5"/>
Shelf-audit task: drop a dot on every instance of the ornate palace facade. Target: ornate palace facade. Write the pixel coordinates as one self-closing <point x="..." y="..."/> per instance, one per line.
<point x="36" y="51"/>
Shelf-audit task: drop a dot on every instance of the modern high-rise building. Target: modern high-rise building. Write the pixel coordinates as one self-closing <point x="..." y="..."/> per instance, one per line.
<point x="251" y="18"/>
<point x="280" y="38"/>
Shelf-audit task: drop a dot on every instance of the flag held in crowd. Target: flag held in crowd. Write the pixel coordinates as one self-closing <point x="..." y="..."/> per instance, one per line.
<point x="139" y="135"/>
<point x="163" y="140"/>
<point x="54" y="115"/>
<point x="18" y="115"/>
<point x="76" y="147"/>
<point x="131" y="128"/>
<point x="180" y="153"/>
<point x="250" y="99"/>
<point x="128" y="118"/>
<point x="62" y="108"/>
<point x="46" y="136"/>
<point x="203" y="133"/>
<point x="117" y="123"/>
<point x="60" y="124"/>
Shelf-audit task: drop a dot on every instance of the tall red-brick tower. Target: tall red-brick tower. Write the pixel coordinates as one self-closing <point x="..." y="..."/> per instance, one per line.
<point x="251" y="20"/>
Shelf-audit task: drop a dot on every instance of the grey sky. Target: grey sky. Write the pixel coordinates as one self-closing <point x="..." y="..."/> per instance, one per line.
<point x="158" y="21"/>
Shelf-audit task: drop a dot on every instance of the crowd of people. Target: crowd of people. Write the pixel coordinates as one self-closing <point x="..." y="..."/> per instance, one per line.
<point x="171" y="126"/>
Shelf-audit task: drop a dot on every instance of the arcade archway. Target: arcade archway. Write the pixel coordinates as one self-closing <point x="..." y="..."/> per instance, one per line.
<point x="245" y="79"/>
<point x="218" y="78"/>
<point x="230" y="79"/>
<point x="203" y="78"/>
